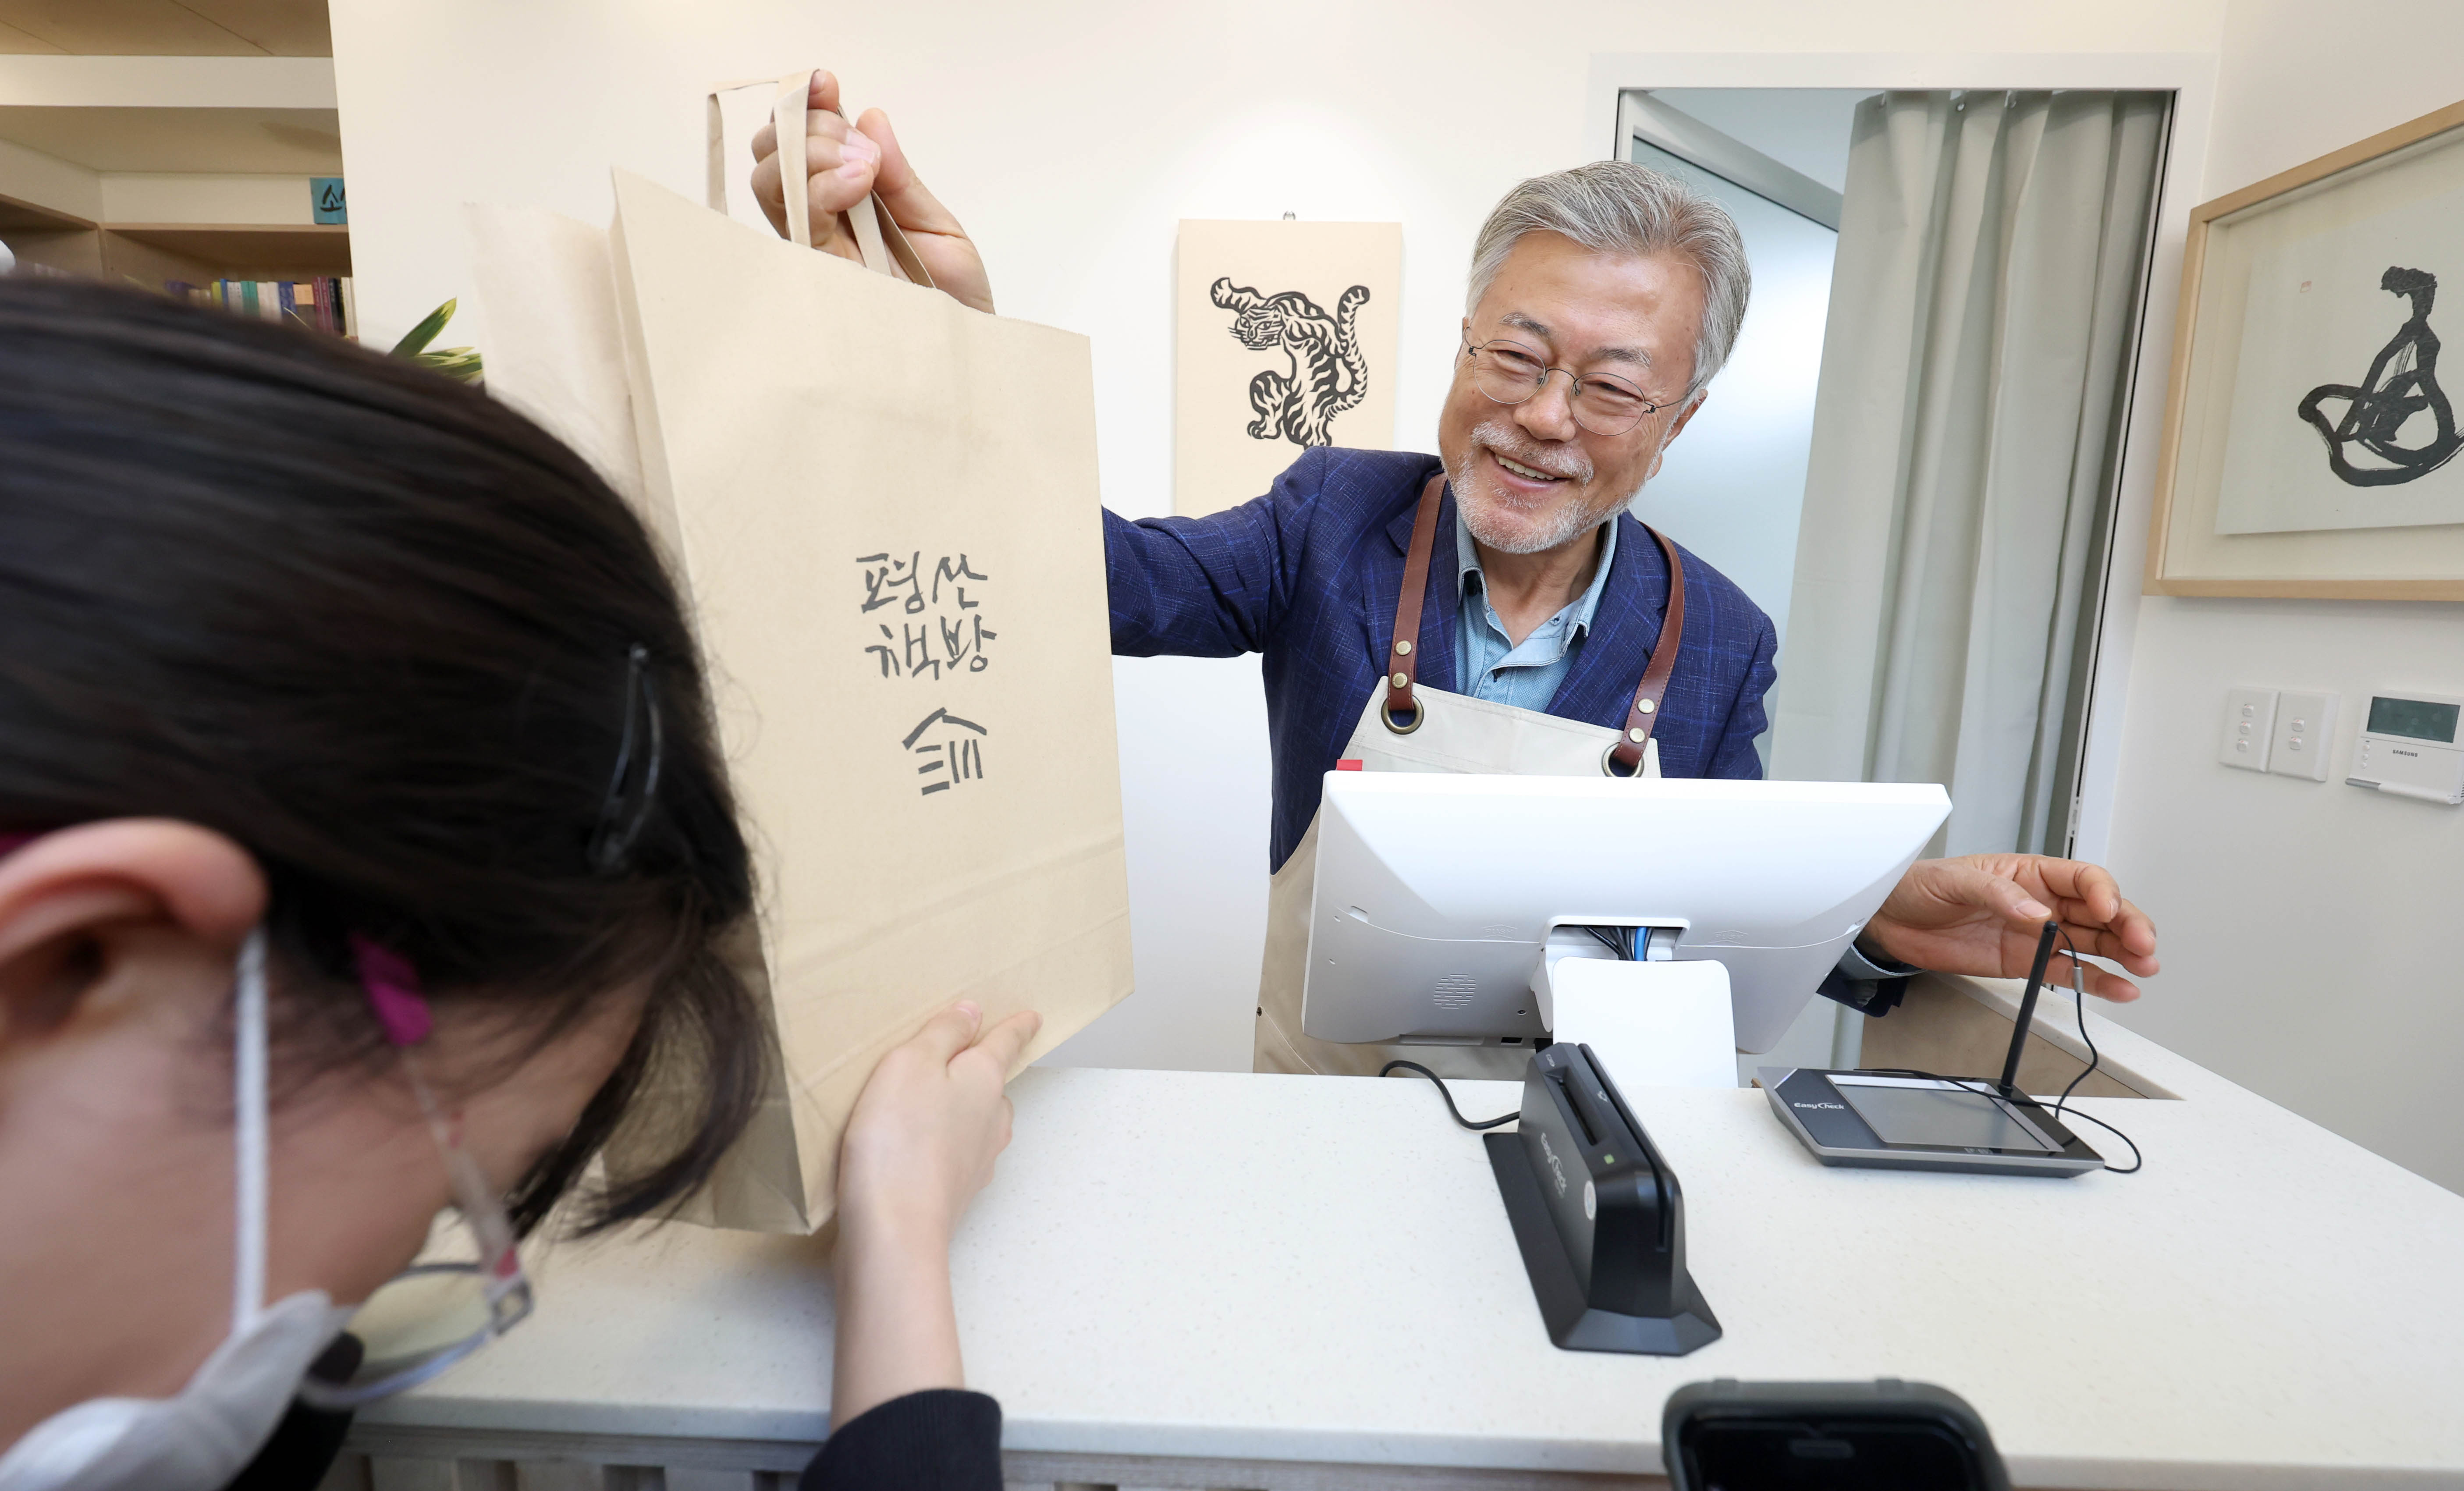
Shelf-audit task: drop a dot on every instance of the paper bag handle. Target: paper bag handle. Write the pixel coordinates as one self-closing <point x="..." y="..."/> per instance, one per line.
<point x="878" y="238"/>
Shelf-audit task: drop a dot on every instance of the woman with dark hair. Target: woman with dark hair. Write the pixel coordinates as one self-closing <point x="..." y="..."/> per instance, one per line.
<point x="365" y="851"/>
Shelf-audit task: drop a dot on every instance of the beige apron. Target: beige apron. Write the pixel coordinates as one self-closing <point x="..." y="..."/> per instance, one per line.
<point x="1441" y="731"/>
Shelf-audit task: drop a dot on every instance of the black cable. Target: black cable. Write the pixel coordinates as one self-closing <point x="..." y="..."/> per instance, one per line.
<point x="2138" y="1162"/>
<point x="1415" y="1066"/>
<point x="2095" y="1058"/>
<point x="1626" y="942"/>
<point x="2079" y="992"/>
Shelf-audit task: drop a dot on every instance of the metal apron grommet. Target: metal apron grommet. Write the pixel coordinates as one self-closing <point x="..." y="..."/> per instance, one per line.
<point x="1386" y="713"/>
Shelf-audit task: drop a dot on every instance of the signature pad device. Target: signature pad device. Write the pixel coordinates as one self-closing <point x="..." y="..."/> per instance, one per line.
<point x="1891" y="1122"/>
<point x="1903" y="1120"/>
<point x="1596" y="1215"/>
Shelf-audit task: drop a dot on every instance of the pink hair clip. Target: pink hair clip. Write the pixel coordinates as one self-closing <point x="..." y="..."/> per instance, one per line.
<point x="393" y="992"/>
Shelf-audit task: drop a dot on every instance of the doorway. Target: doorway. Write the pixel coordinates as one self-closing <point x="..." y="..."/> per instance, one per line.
<point x="1777" y="159"/>
<point x="1926" y="509"/>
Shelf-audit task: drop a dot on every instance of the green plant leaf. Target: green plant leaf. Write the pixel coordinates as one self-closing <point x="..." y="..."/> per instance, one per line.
<point x="420" y="335"/>
<point x="462" y="363"/>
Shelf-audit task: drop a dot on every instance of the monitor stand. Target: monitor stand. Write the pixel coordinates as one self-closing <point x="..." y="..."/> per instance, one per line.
<point x="1652" y="1023"/>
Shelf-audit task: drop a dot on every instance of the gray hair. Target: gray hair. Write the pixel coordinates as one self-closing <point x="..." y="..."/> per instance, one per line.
<point x="1611" y="207"/>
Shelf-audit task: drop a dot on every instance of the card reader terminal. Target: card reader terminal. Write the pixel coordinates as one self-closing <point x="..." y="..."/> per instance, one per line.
<point x="1596" y="1215"/>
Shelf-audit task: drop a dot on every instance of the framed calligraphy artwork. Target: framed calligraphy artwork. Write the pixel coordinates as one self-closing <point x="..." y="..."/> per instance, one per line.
<point x="2310" y="433"/>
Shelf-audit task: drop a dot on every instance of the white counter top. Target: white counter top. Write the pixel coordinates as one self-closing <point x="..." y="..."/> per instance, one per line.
<point x="1297" y="1268"/>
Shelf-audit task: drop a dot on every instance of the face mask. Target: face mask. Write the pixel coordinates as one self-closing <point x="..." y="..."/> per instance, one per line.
<point x="201" y="1440"/>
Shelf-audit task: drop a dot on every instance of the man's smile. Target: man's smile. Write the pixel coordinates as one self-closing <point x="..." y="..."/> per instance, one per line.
<point x="1524" y="476"/>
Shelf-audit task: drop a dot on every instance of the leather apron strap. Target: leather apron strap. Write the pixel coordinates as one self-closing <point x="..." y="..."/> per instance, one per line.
<point x="1403" y="650"/>
<point x="1403" y="653"/>
<point x="1644" y="712"/>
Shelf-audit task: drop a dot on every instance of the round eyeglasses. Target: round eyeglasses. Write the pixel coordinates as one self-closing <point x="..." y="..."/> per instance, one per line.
<point x="444" y="1308"/>
<point x="450" y="1303"/>
<point x="1508" y="372"/>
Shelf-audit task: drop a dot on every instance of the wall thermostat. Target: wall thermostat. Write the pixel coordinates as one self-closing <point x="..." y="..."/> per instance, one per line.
<point x="2409" y="745"/>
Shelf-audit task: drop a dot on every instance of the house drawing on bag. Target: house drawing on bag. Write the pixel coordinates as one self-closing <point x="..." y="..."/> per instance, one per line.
<point x="951" y="759"/>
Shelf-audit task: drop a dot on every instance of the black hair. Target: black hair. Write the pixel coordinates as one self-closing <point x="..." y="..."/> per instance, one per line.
<point x="393" y="639"/>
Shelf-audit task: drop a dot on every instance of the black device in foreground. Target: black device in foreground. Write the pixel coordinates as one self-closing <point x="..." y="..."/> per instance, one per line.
<point x="1889" y="1120"/>
<point x="1597" y="1214"/>
<point x="1883" y="1435"/>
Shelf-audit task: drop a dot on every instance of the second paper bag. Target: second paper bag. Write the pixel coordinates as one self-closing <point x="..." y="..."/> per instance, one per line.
<point x="885" y="505"/>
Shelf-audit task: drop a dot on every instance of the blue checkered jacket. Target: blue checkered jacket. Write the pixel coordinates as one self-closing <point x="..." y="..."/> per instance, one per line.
<point x="1309" y="573"/>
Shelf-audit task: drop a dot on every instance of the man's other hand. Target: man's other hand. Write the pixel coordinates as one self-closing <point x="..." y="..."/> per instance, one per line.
<point x="843" y="162"/>
<point x="1982" y="914"/>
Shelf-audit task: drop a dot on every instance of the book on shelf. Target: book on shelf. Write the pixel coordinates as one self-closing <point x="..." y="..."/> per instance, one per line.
<point x="324" y="303"/>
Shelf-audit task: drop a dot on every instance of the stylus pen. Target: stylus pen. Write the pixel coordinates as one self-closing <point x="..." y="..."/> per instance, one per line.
<point x="2028" y="1009"/>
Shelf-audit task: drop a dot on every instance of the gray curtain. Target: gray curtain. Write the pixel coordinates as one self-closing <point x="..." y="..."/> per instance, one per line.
<point x="1966" y="445"/>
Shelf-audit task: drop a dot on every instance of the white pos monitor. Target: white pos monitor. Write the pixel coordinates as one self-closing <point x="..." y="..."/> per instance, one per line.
<point x="1438" y="894"/>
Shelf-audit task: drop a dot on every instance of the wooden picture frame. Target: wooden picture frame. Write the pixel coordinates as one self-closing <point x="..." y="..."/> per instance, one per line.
<point x="2234" y="347"/>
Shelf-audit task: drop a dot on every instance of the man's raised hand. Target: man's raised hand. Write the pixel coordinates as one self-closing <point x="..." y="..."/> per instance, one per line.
<point x="1981" y="913"/>
<point x="841" y="163"/>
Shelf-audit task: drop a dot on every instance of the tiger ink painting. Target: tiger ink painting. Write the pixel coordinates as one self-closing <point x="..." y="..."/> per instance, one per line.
<point x="1285" y="335"/>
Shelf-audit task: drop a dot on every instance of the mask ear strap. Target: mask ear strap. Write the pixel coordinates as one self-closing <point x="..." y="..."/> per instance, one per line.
<point x="249" y="1137"/>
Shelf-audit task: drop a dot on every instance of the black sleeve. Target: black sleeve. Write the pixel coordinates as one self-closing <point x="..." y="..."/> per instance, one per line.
<point x="941" y="1439"/>
<point x="304" y="1446"/>
<point x="1868" y="982"/>
<point x="1872" y="998"/>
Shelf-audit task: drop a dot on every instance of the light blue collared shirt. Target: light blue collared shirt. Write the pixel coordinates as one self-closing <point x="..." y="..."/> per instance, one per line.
<point x="1491" y="668"/>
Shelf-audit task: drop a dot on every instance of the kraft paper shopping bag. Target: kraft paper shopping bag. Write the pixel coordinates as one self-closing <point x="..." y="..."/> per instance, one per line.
<point x="883" y="506"/>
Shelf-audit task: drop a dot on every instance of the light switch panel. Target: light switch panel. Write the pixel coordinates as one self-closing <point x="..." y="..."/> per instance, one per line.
<point x="2305" y="727"/>
<point x="2250" y="723"/>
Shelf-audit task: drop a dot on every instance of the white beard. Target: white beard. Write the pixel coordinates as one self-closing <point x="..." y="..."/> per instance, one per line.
<point x="1563" y="527"/>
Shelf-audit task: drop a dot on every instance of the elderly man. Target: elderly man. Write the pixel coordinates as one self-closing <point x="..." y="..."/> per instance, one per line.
<point x="1496" y="607"/>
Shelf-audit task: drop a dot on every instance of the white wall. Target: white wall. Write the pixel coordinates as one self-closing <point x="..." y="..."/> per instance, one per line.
<point x="1071" y="138"/>
<point x="2313" y="933"/>
<point x="204" y="197"/>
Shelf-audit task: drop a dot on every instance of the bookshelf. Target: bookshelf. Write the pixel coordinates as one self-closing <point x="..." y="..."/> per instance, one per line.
<point x="49" y="237"/>
<point x="158" y="253"/>
<point x="167" y="170"/>
<point x="234" y="250"/>
<point x="18" y="215"/>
